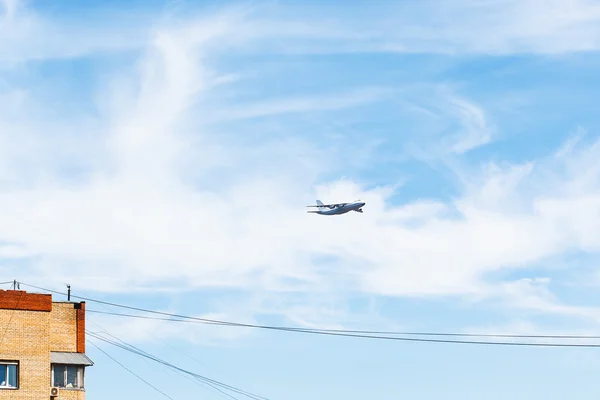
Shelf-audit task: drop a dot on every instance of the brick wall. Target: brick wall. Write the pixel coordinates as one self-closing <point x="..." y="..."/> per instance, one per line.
<point x="63" y="333"/>
<point x="21" y="300"/>
<point x="80" y="327"/>
<point x="31" y="326"/>
<point x="23" y="336"/>
<point x="66" y="394"/>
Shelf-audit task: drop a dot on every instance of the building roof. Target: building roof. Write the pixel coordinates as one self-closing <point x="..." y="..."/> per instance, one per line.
<point x="59" y="357"/>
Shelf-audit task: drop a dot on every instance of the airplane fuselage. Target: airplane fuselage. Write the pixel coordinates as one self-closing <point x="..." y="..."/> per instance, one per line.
<point x="356" y="206"/>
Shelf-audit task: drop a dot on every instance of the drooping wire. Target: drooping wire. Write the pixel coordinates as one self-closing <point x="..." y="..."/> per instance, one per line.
<point x="394" y="333"/>
<point x="195" y="380"/>
<point x="207" y="381"/>
<point x="355" y="334"/>
<point x="197" y="376"/>
<point x="136" y="349"/>
<point x="130" y="371"/>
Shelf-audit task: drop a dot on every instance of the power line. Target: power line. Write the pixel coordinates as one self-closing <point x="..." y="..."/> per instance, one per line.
<point x="202" y="378"/>
<point x="196" y="381"/>
<point x="395" y="333"/>
<point x="355" y="334"/>
<point x="131" y="372"/>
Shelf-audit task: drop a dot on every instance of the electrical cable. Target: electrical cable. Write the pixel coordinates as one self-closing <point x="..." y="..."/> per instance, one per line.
<point x="197" y="376"/>
<point x="396" y="333"/>
<point x="131" y="372"/>
<point x="361" y="334"/>
<point x="196" y="381"/>
<point x="133" y="349"/>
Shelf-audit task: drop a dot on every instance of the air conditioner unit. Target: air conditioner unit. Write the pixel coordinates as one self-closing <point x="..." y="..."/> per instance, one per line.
<point x="54" y="392"/>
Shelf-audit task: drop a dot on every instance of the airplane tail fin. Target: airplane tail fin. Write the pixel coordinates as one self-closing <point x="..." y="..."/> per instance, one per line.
<point x="321" y="205"/>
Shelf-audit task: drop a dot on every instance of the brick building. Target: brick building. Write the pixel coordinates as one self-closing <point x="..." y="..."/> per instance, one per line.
<point x="42" y="346"/>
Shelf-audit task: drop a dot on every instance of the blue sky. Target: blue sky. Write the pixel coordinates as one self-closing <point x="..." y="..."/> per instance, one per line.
<point x="161" y="154"/>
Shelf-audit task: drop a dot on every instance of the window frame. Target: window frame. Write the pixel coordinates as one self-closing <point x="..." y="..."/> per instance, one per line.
<point x="5" y="364"/>
<point x="80" y="376"/>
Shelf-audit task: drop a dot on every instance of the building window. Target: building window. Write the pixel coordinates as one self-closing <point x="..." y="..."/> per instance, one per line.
<point x="67" y="376"/>
<point x="9" y="374"/>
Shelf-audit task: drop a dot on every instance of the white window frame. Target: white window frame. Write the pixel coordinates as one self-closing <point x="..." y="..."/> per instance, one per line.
<point x="5" y="364"/>
<point x="80" y="376"/>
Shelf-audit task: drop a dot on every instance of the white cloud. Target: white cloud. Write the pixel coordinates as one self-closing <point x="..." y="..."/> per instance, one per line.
<point x="477" y="132"/>
<point x="469" y="129"/>
<point x="163" y="204"/>
<point x="494" y="27"/>
<point x="8" y="251"/>
<point x="508" y="219"/>
<point x="524" y="327"/>
<point x="142" y="330"/>
<point x="27" y="35"/>
<point x="303" y="104"/>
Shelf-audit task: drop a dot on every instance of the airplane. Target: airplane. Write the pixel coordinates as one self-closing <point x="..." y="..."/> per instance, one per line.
<point x="339" y="208"/>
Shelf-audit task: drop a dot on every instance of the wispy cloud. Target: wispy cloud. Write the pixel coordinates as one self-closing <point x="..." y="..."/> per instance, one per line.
<point x="27" y="35"/>
<point x="476" y="130"/>
<point x="465" y="27"/>
<point x="454" y="124"/>
<point x="304" y="104"/>
<point x="167" y="200"/>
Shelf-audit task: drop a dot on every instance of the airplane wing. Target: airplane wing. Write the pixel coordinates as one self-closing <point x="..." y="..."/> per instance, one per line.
<point x="330" y="205"/>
